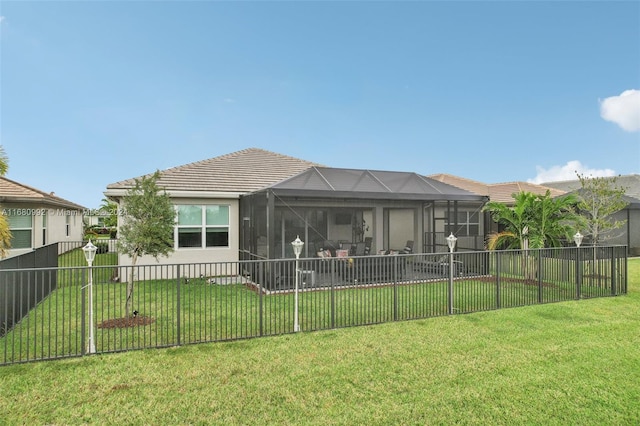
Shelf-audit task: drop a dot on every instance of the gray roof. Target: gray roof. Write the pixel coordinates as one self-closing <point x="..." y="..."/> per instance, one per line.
<point x="328" y="182"/>
<point x="630" y="183"/>
<point x="238" y="172"/>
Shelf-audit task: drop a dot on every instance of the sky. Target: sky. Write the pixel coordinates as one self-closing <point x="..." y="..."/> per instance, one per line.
<point x="94" y="92"/>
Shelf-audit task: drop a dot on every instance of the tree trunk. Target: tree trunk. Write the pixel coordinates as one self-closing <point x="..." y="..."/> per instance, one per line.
<point x="129" y="302"/>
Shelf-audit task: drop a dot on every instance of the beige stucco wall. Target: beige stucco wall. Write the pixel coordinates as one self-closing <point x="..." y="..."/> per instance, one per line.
<point x="56" y="224"/>
<point x="198" y="255"/>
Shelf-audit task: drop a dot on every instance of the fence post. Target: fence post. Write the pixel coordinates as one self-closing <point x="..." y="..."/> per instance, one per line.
<point x="259" y="268"/>
<point x="613" y="273"/>
<point x="178" y="337"/>
<point x="539" y="275"/>
<point x="450" y="291"/>
<point x="395" y="288"/>
<point x="333" y="293"/>
<point x="498" y="266"/>
<point x="83" y="308"/>
<point x="578" y="274"/>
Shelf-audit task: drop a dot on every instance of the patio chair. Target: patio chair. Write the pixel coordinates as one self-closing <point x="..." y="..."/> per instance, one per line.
<point x="368" y="241"/>
<point x="361" y="249"/>
<point x="440" y="266"/>
<point x="408" y="248"/>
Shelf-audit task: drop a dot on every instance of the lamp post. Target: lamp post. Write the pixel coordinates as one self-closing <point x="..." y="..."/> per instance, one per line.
<point x="297" y="250"/>
<point x="577" y="238"/>
<point x="90" y="254"/>
<point x="451" y="242"/>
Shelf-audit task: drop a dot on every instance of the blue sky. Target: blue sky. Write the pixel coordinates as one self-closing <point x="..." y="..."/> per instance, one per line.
<point x="97" y="92"/>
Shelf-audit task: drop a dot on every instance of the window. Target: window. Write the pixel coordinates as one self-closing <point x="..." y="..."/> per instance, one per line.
<point x="202" y="226"/>
<point x="68" y="225"/>
<point x="21" y="227"/>
<point x="467" y="223"/>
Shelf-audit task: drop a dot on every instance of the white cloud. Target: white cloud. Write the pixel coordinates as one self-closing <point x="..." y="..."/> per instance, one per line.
<point x="1" y="18"/>
<point x="624" y="110"/>
<point x="568" y="172"/>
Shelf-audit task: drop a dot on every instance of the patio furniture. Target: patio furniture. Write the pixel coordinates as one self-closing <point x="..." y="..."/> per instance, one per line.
<point x="375" y="269"/>
<point x="439" y="267"/>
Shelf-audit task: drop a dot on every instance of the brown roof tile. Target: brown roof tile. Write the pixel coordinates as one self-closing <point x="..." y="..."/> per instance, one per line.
<point x="503" y="192"/>
<point x="12" y="191"/>
<point x="500" y="192"/>
<point x="241" y="171"/>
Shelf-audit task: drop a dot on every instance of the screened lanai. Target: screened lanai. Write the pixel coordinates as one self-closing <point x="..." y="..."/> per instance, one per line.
<point x="344" y="208"/>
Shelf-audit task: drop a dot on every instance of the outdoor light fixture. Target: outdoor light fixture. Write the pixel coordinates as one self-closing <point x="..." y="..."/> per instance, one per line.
<point x="578" y="238"/>
<point x="297" y="246"/>
<point x="451" y="242"/>
<point x="297" y="250"/>
<point x="90" y="254"/>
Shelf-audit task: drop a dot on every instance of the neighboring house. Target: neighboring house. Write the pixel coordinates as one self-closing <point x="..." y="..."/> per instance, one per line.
<point x="37" y="218"/>
<point x="630" y="234"/>
<point x="253" y="203"/>
<point x="498" y="192"/>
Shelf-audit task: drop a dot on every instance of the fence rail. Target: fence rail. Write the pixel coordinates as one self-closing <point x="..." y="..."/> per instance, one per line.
<point x="190" y="303"/>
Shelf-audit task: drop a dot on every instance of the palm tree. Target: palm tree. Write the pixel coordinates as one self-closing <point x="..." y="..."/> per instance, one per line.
<point x="515" y="221"/>
<point x="534" y="221"/>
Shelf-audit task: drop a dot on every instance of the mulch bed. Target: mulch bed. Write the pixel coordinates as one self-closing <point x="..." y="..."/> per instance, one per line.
<point x="126" y="322"/>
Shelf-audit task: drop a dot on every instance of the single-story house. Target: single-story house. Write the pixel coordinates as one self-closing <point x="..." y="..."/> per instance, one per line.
<point x="253" y="203"/>
<point x="37" y="218"/>
<point x="503" y="192"/>
<point x="498" y="192"/>
<point x="629" y="235"/>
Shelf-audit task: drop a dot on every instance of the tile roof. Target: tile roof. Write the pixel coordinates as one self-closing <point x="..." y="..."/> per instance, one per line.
<point x="12" y="191"/>
<point x="503" y="192"/>
<point x="238" y="172"/>
<point x="463" y="183"/>
<point x="500" y="192"/>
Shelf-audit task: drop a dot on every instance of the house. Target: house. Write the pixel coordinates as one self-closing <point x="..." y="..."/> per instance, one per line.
<point x="37" y="218"/>
<point x="207" y="196"/>
<point x="498" y="192"/>
<point x="253" y="203"/>
<point x="629" y="235"/>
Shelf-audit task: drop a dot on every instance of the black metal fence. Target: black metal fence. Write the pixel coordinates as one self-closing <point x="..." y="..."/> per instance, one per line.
<point x="191" y="303"/>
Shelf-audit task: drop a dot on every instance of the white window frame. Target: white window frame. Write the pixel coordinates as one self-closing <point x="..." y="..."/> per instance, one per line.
<point x="203" y="226"/>
<point x="30" y="229"/>
<point x="463" y="227"/>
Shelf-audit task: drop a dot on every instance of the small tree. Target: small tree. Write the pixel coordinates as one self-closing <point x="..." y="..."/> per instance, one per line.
<point x="599" y="199"/>
<point x="148" y="226"/>
<point x="5" y="232"/>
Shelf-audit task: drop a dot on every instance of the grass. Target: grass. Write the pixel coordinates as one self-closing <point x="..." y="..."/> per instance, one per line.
<point x="564" y="363"/>
<point x="200" y="312"/>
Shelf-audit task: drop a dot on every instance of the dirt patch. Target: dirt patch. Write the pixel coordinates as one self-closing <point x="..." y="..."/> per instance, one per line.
<point x="126" y="322"/>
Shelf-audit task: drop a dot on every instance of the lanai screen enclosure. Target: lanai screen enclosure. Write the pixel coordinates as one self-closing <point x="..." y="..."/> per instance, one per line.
<point x="331" y="208"/>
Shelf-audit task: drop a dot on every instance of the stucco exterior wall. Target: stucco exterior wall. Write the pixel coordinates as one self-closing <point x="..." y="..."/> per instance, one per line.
<point x="51" y="230"/>
<point x="197" y="255"/>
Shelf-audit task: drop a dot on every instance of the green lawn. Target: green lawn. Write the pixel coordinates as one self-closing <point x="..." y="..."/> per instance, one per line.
<point x="565" y="363"/>
<point x="202" y="312"/>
